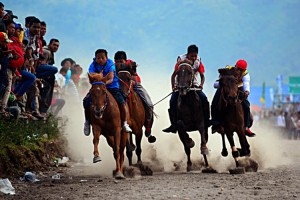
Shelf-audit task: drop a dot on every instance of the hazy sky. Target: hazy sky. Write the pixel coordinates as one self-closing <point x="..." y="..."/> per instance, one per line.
<point x="154" y="33"/>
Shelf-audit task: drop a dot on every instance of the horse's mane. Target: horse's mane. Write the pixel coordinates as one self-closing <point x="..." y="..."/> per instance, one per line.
<point x="228" y="72"/>
<point x="185" y="61"/>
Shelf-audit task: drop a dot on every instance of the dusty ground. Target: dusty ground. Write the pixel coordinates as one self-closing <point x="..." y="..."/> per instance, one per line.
<point x="281" y="182"/>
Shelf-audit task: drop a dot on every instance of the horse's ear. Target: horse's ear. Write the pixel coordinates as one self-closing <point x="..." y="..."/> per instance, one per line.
<point x="91" y="77"/>
<point x="105" y="78"/>
<point x="222" y="71"/>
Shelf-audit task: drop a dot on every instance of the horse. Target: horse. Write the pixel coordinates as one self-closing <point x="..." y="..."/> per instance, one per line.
<point x="136" y="110"/>
<point x="105" y="119"/>
<point x="189" y="112"/>
<point x="232" y="114"/>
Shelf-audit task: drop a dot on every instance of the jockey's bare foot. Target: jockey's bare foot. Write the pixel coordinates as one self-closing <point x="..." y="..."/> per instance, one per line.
<point x="171" y="129"/>
<point x="87" y="128"/>
<point x="249" y="133"/>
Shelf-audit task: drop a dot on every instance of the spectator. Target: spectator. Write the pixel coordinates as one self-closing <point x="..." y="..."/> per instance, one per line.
<point x="27" y="21"/>
<point x="68" y="63"/>
<point x="2" y="25"/>
<point x="43" y="33"/>
<point x="48" y="51"/>
<point x="5" y="72"/>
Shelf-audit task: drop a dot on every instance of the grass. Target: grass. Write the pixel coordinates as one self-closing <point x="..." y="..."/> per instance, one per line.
<point x="20" y="132"/>
<point x="23" y="143"/>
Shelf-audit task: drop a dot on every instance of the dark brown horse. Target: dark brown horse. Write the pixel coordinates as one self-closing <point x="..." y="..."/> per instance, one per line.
<point x="136" y="110"/>
<point x="232" y="113"/>
<point x="189" y="112"/>
<point x="105" y="120"/>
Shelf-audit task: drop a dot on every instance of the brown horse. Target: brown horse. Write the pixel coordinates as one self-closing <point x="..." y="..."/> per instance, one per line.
<point x="189" y="112"/>
<point x="232" y="113"/>
<point x="136" y="110"/>
<point x="105" y="119"/>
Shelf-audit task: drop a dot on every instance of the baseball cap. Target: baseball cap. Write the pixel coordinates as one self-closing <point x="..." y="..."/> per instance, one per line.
<point x="18" y="26"/>
<point x="4" y="38"/>
<point x="11" y="14"/>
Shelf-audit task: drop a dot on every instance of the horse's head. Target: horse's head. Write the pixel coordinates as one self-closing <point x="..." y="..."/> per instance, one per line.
<point x="98" y="94"/>
<point x="124" y="73"/>
<point x="185" y="76"/>
<point x="229" y="85"/>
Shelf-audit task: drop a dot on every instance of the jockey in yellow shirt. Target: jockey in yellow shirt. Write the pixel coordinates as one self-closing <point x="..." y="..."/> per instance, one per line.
<point x="244" y="86"/>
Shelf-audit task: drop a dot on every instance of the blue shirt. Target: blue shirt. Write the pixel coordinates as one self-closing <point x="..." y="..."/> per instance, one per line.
<point x="109" y="67"/>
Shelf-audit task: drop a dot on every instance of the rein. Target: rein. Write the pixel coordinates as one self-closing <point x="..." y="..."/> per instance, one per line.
<point x="128" y="86"/>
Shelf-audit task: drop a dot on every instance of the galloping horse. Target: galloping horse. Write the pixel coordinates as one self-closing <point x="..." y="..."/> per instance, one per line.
<point x="136" y="110"/>
<point x="232" y="113"/>
<point x="105" y="120"/>
<point x="189" y="112"/>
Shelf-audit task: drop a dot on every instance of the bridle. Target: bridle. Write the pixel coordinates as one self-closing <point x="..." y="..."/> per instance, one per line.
<point x="190" y="86"/>
<point x="229" y="99"/>
<point x="99" y="113"/>
<point x="130" y="84"/>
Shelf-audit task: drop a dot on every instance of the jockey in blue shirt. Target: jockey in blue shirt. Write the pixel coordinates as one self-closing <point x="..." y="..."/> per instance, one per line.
<point x="101" y="64"/>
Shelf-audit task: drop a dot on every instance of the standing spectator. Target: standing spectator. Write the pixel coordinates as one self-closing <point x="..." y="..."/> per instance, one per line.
<point x="2" y="25"/>
<point x="43" y="33"/>
<point x="33" y="37"/>
<point x="68" y="63"/>
<point x="27" y="21"/>
<point x="281" y="123"/>
<point x="48" y="51"/>
<point x="5" y="73"/>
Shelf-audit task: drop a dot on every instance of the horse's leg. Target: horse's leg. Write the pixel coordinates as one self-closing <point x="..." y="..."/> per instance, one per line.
<point x="117" y="142"/>
<point x="224" y="150"/>
<point x="184" y="137"/>
<point x="129" y="149"/>
<point x="235" y="152"/>
<point x="203" y="147"/>
<point x="96" y="133"/>
<point x="138" y="141"/>
<point x="245" y="151"/>
<point x="124" y="136"/>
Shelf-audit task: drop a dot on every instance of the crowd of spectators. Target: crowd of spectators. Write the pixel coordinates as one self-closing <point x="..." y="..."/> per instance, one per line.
<point x="285" y="118"/>
<point x="31" y="85"/>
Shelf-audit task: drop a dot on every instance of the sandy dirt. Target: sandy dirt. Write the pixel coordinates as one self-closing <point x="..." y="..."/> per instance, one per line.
<point x="78" y="181"/>
<point x="278" y="175"/>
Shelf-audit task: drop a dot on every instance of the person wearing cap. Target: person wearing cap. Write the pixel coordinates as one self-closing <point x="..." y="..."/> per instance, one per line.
<point x="198" y="67"/>
<point x="19" y="31"/>
<point x="244" y="86"/>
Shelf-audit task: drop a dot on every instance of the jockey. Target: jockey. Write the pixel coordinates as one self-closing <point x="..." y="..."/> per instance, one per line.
<point x="121" y="58"/>
<point x="102" y="63"/>
<point x="192" y="55"/>
<point x="244" y="85"/>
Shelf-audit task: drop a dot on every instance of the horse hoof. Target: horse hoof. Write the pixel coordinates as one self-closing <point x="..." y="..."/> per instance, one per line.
<point x="224" y="153"/>
<point x="119" y="176"/>
<point x="244" y="153"/>
<point x="237" y="170"/>
<point x="204" y="150"/>
<point x="209" y="170"/>
<point x="130" y="147"/>
<point x="151" y="139"/>
<point x="190" y="143"/>
<point x="189" y="168"/>
<point x="96" y="159"/>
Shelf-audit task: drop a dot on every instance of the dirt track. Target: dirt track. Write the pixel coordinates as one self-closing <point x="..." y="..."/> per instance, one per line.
<point x="281" y="182"/>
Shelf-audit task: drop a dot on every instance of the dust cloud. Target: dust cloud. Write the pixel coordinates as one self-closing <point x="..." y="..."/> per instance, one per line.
<point x="268" y="148"/>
